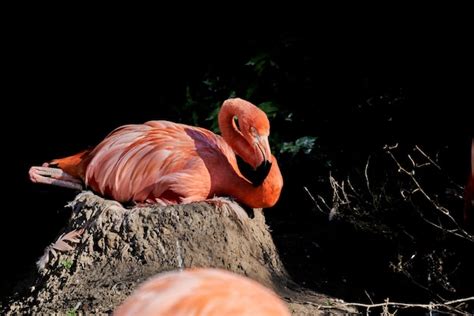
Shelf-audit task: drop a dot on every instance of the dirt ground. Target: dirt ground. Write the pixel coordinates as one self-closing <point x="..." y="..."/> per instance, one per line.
<point x="119" y="248"/>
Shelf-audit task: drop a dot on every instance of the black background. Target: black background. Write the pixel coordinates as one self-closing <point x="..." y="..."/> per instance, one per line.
<point x="67" y="87"/>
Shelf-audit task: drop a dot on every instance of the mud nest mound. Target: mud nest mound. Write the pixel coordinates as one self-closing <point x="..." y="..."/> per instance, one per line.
<point x="119" y="248"/>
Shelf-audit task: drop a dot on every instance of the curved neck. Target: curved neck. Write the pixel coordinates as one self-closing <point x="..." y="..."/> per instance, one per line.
<point x="262" y="196"/>
<point x="230" y="132"/>
<point x="267" y="193"/>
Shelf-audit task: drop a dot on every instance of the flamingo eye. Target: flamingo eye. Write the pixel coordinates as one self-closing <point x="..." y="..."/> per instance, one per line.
<point x="253" y="131"/>
<point x="236" y="121"/>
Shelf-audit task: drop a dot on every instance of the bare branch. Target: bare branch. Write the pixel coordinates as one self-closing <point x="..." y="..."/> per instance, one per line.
<point x="431" y="306"/>
<point x="314" y="200"/>
<point x="458" y="231"/>
<point x="366" y="173"/>
<point x="418" y="149"/>
<point x="437" y="166"/>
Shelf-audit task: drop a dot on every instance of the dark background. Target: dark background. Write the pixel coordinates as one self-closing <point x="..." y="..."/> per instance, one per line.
<point x="67" y="88"/>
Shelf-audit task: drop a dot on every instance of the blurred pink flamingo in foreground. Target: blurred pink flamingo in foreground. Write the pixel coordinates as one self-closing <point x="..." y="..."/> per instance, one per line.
<point x="202" y="292"/>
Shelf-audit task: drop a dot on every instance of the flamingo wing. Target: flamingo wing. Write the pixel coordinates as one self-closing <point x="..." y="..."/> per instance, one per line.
<point x="158" y="161"/>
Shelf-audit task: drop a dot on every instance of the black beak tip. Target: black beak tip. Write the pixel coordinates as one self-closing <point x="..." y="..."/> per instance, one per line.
<point x="255" y="175"/>
<point x="261" y="172"/>
<point x="266" y="164"/>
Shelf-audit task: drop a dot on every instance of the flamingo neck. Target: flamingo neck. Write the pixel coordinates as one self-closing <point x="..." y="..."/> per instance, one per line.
<point x="263" y="196"/>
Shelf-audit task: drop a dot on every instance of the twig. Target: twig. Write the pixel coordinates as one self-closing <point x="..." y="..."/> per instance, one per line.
<point x="458" y="231"/>
<point x="370" y="298"/>
<point x="436" y="165"/>
<point x="367" y="175"/>
<point x="429" y="306"/>
<point x="314" y="200"/>
<point x="427" y="157"/>
<point x="397" y="304"/>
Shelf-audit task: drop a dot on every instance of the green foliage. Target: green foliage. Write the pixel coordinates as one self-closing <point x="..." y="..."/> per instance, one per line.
<point x="303" y="144"/>
<point x="71" y="312"/>
<point x="67" y="263"/>
<point x="288" y="80"/>
<point x="270" y="108"/>
<point x="204" y="98"/>
<point x="329" y="303"/>
<point x="261" y="62"/>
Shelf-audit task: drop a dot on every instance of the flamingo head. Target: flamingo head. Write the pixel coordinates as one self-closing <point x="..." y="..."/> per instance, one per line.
<point x="255" y="128"/>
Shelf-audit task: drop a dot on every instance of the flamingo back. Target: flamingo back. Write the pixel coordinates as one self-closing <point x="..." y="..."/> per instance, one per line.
<point x="158" y="161"/>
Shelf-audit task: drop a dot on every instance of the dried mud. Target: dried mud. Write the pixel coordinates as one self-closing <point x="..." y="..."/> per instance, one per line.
<point x="120" y="248"/>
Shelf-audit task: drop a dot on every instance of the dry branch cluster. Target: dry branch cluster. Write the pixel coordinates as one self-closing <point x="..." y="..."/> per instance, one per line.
<point x="404" y="197"/>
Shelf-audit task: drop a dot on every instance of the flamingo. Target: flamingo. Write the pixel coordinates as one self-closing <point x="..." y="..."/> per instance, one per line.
<point x="169" y="163"/>
<point x="469" y="191"/>
<point x="202" y="291"/>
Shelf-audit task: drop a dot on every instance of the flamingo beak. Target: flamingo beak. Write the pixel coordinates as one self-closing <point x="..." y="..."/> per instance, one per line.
<point x="264" y="147"/>
<point x="262" y="170"/>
